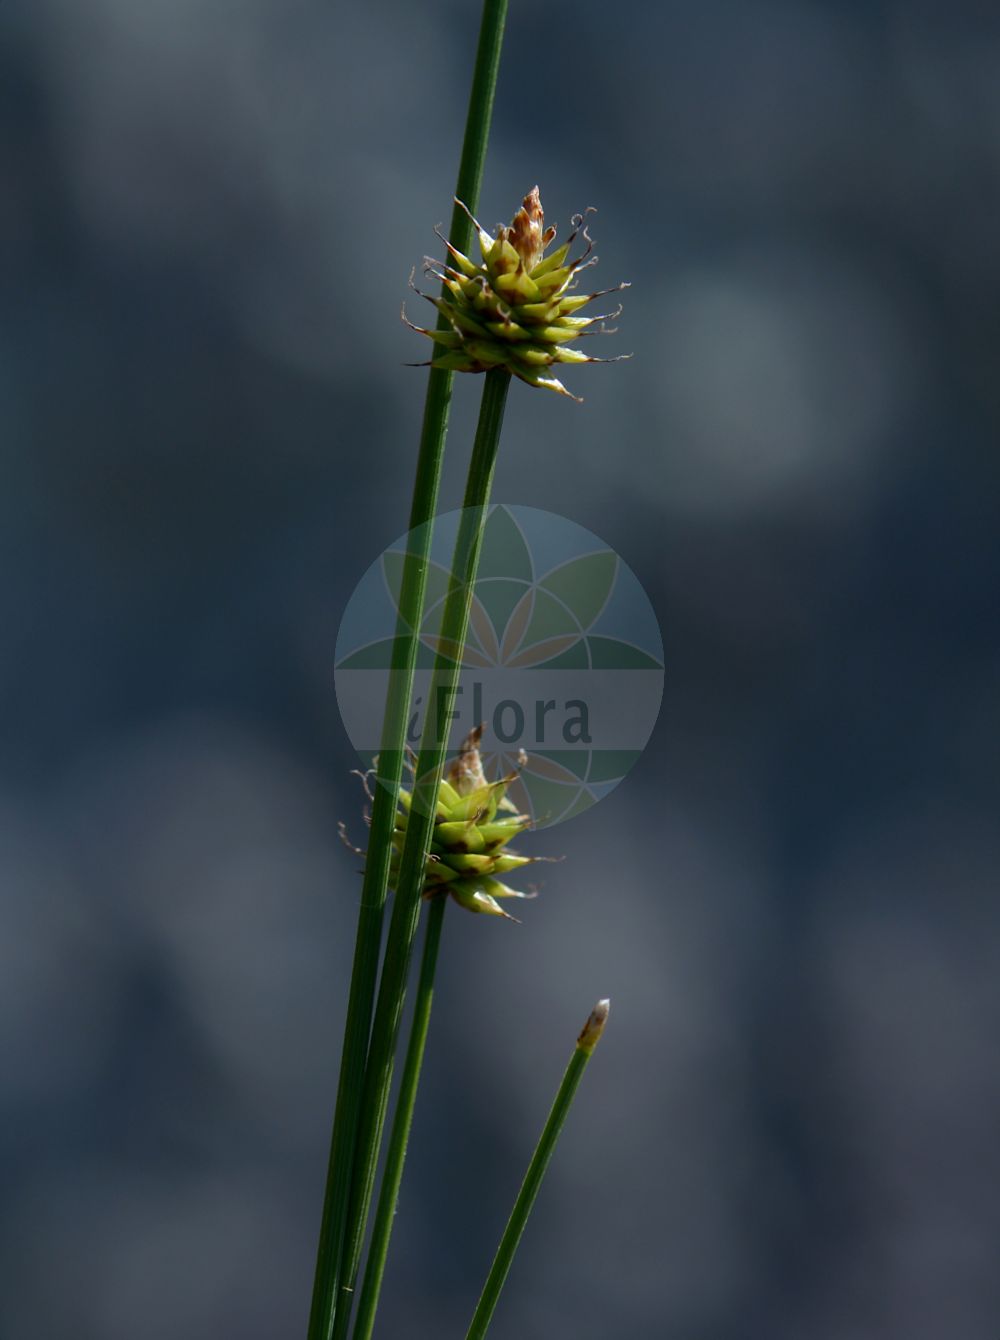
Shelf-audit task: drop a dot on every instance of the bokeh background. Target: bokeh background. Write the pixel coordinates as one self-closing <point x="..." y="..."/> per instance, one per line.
<point x="208" y="213"/>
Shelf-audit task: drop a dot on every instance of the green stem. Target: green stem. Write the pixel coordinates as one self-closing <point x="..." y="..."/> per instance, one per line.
<point x="357" y="1025"/>
<point x="477" y="125"/>
<point x="392" y="1175"/>
<point x="582" y="1053"/>
<point x="366" y="955"/>
<point x="406" y="903"/>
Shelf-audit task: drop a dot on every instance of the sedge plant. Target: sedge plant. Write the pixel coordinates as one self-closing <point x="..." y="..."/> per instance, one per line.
<point x="357" y="1025"/>
<point x="512" y="314"/>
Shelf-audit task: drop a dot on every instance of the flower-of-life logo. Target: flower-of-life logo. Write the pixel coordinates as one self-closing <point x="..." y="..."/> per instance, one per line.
<point x="563" y="661"/>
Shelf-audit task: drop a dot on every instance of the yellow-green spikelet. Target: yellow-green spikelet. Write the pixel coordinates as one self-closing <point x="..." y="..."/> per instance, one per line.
<point x="517" y="310"/>
<point x="473" y="823"/>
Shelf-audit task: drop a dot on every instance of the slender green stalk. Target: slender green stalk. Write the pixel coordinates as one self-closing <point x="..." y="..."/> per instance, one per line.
<point x="406" y="904"/>
<point x="425" y="492"/>
<point x="582" y="1052"/>
<point x="392" y="1175"/>
<point x="366" y="955"/>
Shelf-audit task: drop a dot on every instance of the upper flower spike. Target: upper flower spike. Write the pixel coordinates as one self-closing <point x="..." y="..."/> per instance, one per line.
<point x="517" y="309"/>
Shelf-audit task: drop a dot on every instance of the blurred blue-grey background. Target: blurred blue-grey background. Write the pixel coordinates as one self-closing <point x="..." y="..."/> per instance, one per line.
<point x="208" y="213"/>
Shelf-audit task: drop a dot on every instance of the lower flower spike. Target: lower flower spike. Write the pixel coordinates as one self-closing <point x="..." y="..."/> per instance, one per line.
<point x="473" y="822"/>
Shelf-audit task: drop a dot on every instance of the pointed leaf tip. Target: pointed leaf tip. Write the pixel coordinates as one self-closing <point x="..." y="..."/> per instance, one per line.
<point x="590" y="1034"/>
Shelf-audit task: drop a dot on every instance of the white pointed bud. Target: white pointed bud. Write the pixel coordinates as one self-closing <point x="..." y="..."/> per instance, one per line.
<point x="590" y="1034"/>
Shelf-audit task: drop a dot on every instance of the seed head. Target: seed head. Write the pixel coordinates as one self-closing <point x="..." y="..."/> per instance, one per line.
<point x="517" y="308"/>
<point x="473" y="823"/>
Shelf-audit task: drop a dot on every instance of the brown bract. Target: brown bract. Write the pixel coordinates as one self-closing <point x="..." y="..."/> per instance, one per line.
<point x="466" y="772"/>
<point x="527" y="234"/>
